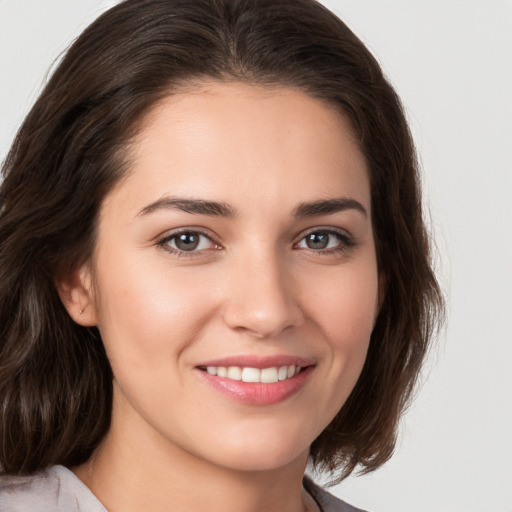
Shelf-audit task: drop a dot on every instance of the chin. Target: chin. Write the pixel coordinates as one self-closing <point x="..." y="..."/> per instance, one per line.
<point x="267" y="454"/>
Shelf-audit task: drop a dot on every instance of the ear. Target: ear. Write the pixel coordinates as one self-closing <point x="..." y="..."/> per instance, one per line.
<point x="75" y="291"/>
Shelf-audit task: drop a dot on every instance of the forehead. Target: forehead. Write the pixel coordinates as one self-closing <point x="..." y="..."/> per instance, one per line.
<point x="272" y="109"/>
<point x="234" y="140"/>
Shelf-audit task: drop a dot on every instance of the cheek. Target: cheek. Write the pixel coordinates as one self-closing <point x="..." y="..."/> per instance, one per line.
<point x="345" y="313"/>
<point x="348" y="306"/>
<point x="148" y="316"/>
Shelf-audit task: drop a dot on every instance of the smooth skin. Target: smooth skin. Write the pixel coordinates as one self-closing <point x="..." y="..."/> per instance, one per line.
<point x="285" y="265"/>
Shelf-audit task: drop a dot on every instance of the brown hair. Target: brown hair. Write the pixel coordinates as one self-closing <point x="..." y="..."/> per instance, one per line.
<point x="55" y="379"/>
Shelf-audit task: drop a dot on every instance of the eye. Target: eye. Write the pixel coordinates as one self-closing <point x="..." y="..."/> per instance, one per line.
<point x="324" y="240"/>
<point x="188" y="241"/>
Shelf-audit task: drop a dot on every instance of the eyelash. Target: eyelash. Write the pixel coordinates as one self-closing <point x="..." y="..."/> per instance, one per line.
<point x="166" y="239"/>
<point x="345" y="242"/>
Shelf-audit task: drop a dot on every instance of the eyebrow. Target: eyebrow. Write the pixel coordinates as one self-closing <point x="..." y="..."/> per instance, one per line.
<point x="220" y="209"/>
<point x="198" y="206"/>
<point x="329" y="206"/>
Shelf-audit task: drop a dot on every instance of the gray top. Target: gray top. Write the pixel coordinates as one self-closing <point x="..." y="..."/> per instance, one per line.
<point x="325" y="500"/>
<point x="54" y="490"/>
<point x="58" y="490"/>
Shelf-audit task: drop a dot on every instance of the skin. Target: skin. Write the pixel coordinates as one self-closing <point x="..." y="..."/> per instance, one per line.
<point x="253" y="287"/>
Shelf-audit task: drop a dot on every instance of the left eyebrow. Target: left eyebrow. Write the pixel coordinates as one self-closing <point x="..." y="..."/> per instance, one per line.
<point x="328" y="207"/>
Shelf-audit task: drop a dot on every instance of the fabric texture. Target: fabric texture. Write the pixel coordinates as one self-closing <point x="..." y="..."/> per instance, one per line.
<point x="54" y="490"/>
<point x="325" y="500"/>
<point x="58" y="490"/>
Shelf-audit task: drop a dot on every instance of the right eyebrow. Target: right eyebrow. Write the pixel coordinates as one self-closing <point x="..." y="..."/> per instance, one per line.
<point x="197" y="206"/>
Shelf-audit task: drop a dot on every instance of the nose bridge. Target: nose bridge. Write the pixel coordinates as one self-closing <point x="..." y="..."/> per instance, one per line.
<point x="263" y="296"/>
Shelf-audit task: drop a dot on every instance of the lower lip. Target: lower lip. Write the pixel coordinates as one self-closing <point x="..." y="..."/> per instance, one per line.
<point x="257" y="393"/>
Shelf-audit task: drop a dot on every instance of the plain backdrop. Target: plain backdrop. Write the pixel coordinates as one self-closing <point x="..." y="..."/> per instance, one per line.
<point x="451" y="62"/>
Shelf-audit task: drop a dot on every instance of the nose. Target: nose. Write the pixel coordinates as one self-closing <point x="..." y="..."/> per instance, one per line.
<point x="262" y="298"/>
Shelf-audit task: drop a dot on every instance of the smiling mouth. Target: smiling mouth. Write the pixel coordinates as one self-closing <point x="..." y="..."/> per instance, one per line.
<point x="247" y="374"/>
<point x="254" y="381"/>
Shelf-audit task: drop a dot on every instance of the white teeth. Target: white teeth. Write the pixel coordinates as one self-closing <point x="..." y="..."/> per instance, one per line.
<point x="269" y="375"/>
<point x="235" y="373"/>
<point x="265" y="375"/>
<point x="282" y="374"/>
<point x="251" y="375"/>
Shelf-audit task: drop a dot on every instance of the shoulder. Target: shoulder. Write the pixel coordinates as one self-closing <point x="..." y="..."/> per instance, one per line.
<point x="54" y="490"/>
<point x="325" y="500"/>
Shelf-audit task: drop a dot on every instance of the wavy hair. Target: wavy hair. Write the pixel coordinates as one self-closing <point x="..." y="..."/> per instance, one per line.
<point x="55" y="379"/>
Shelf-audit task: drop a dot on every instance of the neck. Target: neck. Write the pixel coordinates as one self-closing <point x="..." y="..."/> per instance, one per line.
<point x="132" y="471"/>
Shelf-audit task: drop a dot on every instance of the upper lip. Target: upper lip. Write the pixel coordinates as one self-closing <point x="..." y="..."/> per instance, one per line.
<point x="252" y="361"/>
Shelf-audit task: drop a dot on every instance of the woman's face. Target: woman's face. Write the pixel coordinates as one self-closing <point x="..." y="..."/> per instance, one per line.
<point x="239" y="246"/>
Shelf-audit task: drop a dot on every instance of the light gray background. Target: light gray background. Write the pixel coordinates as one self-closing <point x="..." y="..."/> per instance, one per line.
<point x="451" y="62"/>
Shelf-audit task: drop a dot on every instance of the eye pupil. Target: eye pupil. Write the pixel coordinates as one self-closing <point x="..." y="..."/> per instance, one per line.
<point x="187" y="241"/>
<point x="317" y="240"/>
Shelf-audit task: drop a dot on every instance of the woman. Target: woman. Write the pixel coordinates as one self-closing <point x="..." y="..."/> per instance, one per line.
<point x="213" y="265"/>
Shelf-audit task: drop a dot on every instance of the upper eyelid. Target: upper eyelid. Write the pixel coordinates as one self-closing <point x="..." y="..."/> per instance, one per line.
<point x="328" y="229"/>
<point x="189" y="229"/>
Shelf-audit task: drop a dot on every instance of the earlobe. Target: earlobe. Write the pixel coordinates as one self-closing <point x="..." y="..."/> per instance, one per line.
<point x="75" y="292"/>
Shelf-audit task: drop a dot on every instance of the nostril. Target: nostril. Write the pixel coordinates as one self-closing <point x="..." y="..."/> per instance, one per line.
<point x="262" y="320"/>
